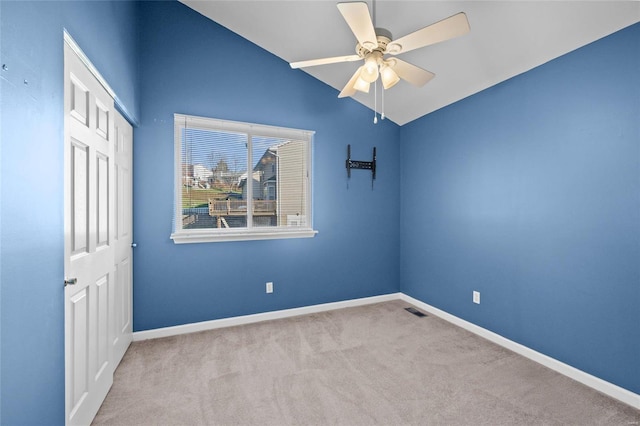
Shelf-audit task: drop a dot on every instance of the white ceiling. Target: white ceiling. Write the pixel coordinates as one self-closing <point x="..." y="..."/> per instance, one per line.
<point x="507" y="38"/>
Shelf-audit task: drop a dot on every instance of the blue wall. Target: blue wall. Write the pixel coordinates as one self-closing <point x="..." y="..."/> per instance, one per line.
<point x="194" y="66"/>
<point x="529" y="192"/>
<point x="31" y="238"/>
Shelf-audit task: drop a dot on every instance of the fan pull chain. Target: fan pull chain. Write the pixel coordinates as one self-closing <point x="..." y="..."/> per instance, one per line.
<point x="382" y="102"/>
<point x="375" y="102"/>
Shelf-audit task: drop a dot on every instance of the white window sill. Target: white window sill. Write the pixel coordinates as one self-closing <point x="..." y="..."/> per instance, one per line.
<point x="208" y="236"/>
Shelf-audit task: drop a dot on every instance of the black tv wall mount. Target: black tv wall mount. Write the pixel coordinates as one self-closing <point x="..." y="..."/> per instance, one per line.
<point x="361" y="165"/>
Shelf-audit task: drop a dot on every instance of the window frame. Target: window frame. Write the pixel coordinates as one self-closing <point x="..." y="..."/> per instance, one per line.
<point x="250" y="233"/>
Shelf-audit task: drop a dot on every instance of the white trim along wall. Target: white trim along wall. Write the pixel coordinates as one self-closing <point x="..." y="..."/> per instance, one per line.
<point x="607" y="388"/>
<point x="248" y="319"/>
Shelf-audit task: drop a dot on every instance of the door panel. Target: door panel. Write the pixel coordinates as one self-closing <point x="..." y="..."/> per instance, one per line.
<point x="79" y="316"/>
<point x="80" y="201"/>
<point x="102" y="325"/>
<point x="79" y="101"/>
<point x="102" y="188"/>
<point x="102" y="120"/>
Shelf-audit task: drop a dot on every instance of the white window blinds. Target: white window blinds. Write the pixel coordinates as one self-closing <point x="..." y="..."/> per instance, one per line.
<point x="240" y="181"/>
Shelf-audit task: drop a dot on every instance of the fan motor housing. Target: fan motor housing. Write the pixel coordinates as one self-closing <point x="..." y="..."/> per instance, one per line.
<point x="383" y="37"/>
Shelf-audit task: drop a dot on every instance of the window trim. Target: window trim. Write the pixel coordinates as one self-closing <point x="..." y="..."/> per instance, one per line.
<point x="182" y="236"/>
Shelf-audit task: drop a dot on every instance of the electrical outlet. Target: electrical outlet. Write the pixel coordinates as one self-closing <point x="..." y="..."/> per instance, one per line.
<point x="269" y="287"/>
<point x="476" y="297"/>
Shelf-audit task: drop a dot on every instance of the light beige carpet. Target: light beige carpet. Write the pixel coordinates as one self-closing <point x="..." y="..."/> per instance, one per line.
<point x="370" y="365"/>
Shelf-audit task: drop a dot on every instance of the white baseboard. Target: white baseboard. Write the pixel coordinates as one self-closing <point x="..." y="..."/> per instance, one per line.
<point x="607" y="388"/>
<point x="266" y="316"/>
<point x="593" y="382"/>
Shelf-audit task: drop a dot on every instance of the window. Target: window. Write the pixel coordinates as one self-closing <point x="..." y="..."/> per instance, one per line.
<point x="240" y="181"/>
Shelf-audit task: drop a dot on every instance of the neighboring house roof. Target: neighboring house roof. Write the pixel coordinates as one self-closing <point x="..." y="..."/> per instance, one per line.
<point x="269" y="152"/>
<point x="272" y="150"/>
<point x="243" y="177"/>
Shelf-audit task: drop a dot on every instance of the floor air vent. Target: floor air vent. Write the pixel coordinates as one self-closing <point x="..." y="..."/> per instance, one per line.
<point x="415" y="312"/>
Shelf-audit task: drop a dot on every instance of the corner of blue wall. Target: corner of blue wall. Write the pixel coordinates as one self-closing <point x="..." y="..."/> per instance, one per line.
<point x="529" y="192"/>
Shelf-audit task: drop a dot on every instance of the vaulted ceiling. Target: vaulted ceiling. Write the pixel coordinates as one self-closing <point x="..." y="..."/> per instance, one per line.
<point x="507" y="38"/>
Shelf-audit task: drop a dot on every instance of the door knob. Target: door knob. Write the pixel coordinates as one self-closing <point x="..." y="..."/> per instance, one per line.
<point x="70" y="281"/>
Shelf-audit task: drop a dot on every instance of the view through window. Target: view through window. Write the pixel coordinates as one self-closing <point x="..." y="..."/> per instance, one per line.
<point x="241" y="181"/>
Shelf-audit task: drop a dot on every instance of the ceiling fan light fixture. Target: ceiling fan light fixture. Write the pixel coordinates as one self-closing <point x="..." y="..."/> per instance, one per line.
<point x="369" y="72"/>
<point x="361" y="84"/>
<point x="388" y="76"/>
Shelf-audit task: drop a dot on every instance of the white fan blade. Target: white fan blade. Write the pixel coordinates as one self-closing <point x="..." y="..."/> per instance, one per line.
<point x="324" y="61"/>
<point x="446" y="29"/>
<point x="411" y="73"/>
<point x="349" y="89"/>
<point x="357" y="16"/>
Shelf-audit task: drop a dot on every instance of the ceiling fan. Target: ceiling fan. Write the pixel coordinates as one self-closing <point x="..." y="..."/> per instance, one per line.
<point x="374" y="43"/>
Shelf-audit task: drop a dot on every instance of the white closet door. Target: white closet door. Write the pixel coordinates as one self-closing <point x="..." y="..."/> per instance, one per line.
<point x="123" y="289"/>
<point x="94" y="276"/>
